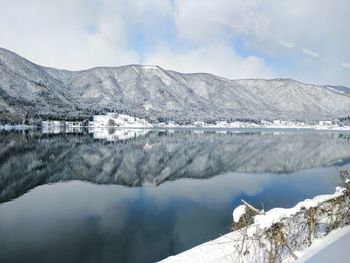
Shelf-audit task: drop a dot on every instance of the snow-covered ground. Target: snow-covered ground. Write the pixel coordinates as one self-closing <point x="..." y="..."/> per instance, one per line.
<point x="118" y="120"/>
<point x="277" y="124"/>
<point x="16" y="127"/>
<point x="229" y="247"/>
<point x="331" y="248"/>
<point x="126" y="121"/>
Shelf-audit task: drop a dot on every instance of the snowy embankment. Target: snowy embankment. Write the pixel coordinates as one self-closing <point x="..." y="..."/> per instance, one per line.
<point x="125" y="121"/>
<point x="323" y="250"/>
<point x="279" y="235"/>
<point x="264" y="124"/>
<point x="16" y="127"/>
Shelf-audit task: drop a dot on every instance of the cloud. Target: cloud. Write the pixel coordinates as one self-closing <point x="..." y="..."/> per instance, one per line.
<point x="345" y="65"/>
<point x="215" y="58"/>
<point x="263" y="27"/>
<point x="207" y="20"/>
<point x="66" y="34"/>
<point x="310" y="52"/>
<point x="286" y="44"/>
<point x="258" y="38"/>
<point x="76" y="34"/>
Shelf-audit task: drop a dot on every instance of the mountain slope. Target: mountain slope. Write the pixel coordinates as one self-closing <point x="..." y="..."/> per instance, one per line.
<point x="27" y="89"/>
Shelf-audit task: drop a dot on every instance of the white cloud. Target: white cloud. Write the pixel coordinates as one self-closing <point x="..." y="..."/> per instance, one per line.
<point x="153" y="9"/>
<point x="216" y="58"/>
<point x="286" y="44"/>
<point x="55" y="33"/>
<point x="261" y="25"/>
<point x="310" y="52"/>
<point x="203" y="21"/>
<point x="77" y="34"/>
<point x="345" y="65"/>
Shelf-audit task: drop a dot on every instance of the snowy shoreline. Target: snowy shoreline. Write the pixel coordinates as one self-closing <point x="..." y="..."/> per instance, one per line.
<point x="284" y="234"/>
<point x="18" y="127"/>
<point x="112" y="120"/>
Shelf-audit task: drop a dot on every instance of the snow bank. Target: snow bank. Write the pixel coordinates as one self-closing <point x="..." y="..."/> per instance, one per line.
<point x="238" y="213"/>
<point x="280" y="235"/>
<point x="275" y="215"/>
<point x="324" y="249"/>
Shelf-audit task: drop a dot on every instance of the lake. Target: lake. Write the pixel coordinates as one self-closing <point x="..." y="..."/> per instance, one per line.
<point x="143" y="195"/>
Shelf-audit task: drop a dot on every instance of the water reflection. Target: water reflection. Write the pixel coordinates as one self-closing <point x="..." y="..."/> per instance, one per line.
<point x="31" y="159"/>
<point x="81" y="222"/>
<point x="67" y="220"/>
<point x="115" y="134"/>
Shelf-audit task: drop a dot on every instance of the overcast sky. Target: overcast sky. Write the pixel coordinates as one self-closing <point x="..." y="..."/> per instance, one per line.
<point x="308" y="40"/>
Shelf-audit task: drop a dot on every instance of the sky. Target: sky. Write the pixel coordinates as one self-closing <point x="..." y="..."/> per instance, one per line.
<point x="307" y="40"/>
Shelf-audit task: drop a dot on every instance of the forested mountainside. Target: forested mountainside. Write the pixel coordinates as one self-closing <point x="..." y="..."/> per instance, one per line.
<point x="32" y="93"/>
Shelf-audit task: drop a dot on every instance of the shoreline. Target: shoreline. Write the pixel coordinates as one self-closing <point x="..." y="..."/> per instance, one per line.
<point x="122" y="121"/>
<point x="280" y="234"/>
<point x="220" y="128"/>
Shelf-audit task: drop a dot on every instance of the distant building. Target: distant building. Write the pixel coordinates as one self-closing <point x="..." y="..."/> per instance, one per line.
<point x="325" y="123"/>
<point x="52" y="127"/>
<point x="117" y="120"/>
<point x="52" y="123"/>
<point x="73" y="124"/>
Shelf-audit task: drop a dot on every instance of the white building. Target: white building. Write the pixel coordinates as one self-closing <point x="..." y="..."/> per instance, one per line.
<point x="73" y="124"/>
<point x="51" y="123"/>
<point x="325" y="123"/>
<point x="115" y="120"/>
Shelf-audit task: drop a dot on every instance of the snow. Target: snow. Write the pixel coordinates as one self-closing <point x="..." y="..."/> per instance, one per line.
<point x="218" y="250"/>
<point x="147" y="106"/>
<point x="238" y="213"/>
<point x="335" y="90"/>
<point x="150" y="67"/>
<point x="16" y="127"/>
<point x="127" y="86"/>
<point x="223" y="249"/>
<point x="118" y="120"/>
<point x="126" y="121"/>
<point x="51" y="123"/>
<point x="325" y="249"/>
<point x="276" y="124"/>
<point x="157" y="71"/>
<point x="276" y="214"/>
<point x="167" y="125"/>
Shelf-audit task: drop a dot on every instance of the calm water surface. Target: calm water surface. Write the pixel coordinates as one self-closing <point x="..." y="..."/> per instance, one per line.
<point x="141" y="196"/>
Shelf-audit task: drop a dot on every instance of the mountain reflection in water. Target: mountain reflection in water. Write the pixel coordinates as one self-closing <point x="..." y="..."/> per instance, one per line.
<point x="150" y="157"/>
<point x="78" y="208"/>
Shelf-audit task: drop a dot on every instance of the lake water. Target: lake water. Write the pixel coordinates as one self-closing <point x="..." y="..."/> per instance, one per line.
<point x="143" y="195"/>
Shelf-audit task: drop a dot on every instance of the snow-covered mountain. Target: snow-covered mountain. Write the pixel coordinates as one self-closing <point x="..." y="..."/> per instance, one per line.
<point x="36" y="92"/>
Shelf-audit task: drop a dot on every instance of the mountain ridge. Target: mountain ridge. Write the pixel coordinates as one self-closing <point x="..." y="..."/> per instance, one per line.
<point x="33" y="93"/>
